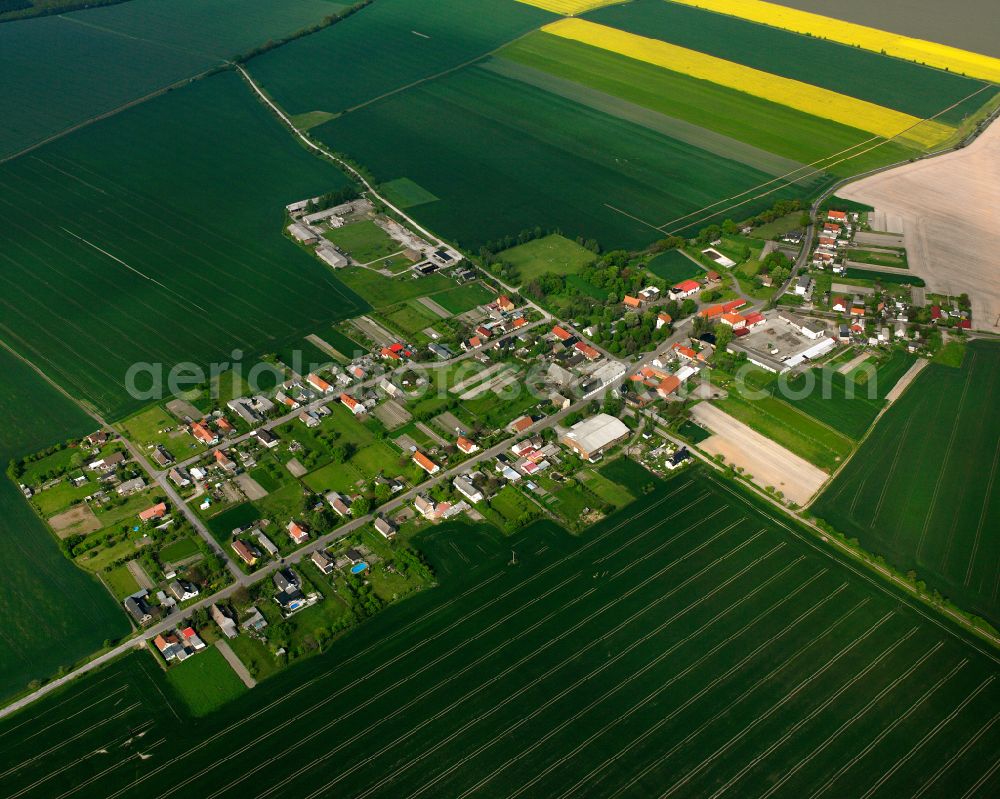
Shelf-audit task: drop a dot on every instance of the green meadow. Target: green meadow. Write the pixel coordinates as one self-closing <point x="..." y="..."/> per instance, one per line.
<point x="693" y="642"/>
<point x="131" y="230"/>
<point x="921" y="490"/>
<point x="674" y="266"/>
<point x="51" y="613"/>
<point x="553" y="253"/>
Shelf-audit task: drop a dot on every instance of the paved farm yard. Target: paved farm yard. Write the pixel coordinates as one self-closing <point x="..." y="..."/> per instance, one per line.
<point x="686" y="646"/>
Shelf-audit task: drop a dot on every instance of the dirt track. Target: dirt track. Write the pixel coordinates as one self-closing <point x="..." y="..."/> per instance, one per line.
<point x="949" y="210"/>
<point x="768" y="463"/>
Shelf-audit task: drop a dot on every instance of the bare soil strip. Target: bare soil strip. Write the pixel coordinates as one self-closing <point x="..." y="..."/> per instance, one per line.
<point x="333" y="352"/>
<point x="767" y="463"/>
<point x="911" y="374"/>
<point x="433" y="307"/>
<point x="250" y="487"/>
<point x="236" y="663"/>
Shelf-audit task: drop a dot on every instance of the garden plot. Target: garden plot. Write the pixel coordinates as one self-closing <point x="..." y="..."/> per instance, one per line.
<point x="392" y="414"/>
<point x="496" y="384"/>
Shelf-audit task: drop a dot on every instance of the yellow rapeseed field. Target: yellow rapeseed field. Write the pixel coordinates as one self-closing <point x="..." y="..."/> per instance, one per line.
<point x="785" y="91"/>
<point x="933" y="54"/>
<point x="569" y="7"/>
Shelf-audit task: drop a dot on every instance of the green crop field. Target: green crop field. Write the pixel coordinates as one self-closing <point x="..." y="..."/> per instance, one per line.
<point x="891" y="82"/>
<point x="740" y="117"/>
<point x="568" y="176"/>
<point x="848" y="403"/>
<point x="381" y="291"/>
<point x="552" y="253"/>
<point x="56" y="69"/>
<point x="464" y="298"/>
<point x="138" y="251"/>
<point x="51" y="612"/>
<point x="386" y="47"/>
<point x="674" y="266"/>
<point x="205" y="682"/>
<point x="886" y="278"/>
<point x="179" y="550"/>
<point x="691" y="644"/>
<point x="922" y="490"/>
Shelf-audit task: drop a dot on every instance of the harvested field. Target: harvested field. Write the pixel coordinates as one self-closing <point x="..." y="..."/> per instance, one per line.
<point x="873" y="239"/>
<point x="448" y="423"/>
<point x="183" y="410"/>
<point x="296" y="468"/>
<point x="770" y="665"/>
<point x="139" y="573"/>
<point x="79" y="520"/>
<point x="477" y="378"/>
<point x="948" y="207"/>
<point x="250" y="487"/>
<point x="825" y="103"/>
<point x="768" y="463"/>
<point x="922" y="490"/>
<point x="496" y="383"/>
<point x="116" y="223"/>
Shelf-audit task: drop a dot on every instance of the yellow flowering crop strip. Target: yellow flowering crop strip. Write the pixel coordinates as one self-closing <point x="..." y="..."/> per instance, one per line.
<point x="933" y="54"/>
<point x="784" y="91"/>
<point x="569" y="7"/>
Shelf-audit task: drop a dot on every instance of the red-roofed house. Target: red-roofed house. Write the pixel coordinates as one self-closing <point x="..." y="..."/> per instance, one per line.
<point x="247" y="555"/>
<point x="668" y="386"/>
<point x="223" y="425"/>
<point x="298" y="532"/>
<point x="837" y="216"/>
<point x="318" y="383"/>
<point x="156" y="512"/>
<point x="857" y="310"/>
<point x="561" y="334"/>
<point x="632" y="302"/>
<point x="352" y="404"/>
<point x="473" y="343"/>
<point x="832" y="228"/>
<point x="663" y="319"/>
<point x="734" y="320"/>
<point x="826" y="241"/>
<point x="588" y="352"/>
<point x="965" y="324"/>
<point x="358" y="372"/>
<point x="224" y="461"/>
<point x="711" y="312"/>
<point x="425" y="463"/>
<point x="522" y="424"/>
<point x="204" y="434"/>
<point x="519" y="322"/>
<point x="935" y="312"/>
<point x="839" y="304"/>
<point x="733" y="305"/>
<point x="754" y="319"/>
<point x="685" y="352"/>
<point x="504" y="303"/>
<point x="712" y="276"/>
<point x="390" y="354"/>
<point x="483" y="332"/>
<point x="684" y="289"/>
<point x="467" y="445"/>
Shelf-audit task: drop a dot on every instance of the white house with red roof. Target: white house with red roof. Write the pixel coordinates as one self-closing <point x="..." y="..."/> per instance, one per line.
<point x="467" y="445"/>
<point x="318" y="383"/>
<point x="685" y="288"/>
<point x="204" y="434"/>
<point x="352" y="404"/>
<point x="298" y="532"/>
<point x="425" y="463"/>
<point x="156" y="512"/>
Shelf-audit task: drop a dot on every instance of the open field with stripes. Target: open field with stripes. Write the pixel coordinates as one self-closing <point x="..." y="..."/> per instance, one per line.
<point x="689" y="646"/>
<point x="125" y="242"/>
<point x="57" y="68"/>
<point x="923" y="490"/>
<point x="51" y="613"/>
<point x="680" y="116"/>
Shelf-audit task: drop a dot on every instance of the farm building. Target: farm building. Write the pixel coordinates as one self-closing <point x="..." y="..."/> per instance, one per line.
<point x="591" y="437"/>
<point x="302" y="234"/>
<point x="425" y="463"/>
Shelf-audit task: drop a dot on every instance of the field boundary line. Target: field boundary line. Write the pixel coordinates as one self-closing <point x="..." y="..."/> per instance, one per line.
<point x="706" y="689"/>
<point x="979" y="783"/>
<point x="845" y="767"/>
<point x="95" y="777"/>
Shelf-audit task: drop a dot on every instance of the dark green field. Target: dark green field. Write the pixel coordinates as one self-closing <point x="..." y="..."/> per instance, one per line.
<point x="125" y="242"/>
<point x="848" y="405"/>
<point x="687" y="646"/>
<point x="890" y="82"/>
<point x="57" y="70"/>
<point x="674" y="266"/>
<point x="387" y="46"/>
<point x="574" y="165"/>
<point x="922" y="489"/>
<point x="51" y="613"/>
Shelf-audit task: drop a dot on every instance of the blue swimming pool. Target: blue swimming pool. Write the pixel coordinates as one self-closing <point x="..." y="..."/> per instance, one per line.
<point x="357" y="568"/>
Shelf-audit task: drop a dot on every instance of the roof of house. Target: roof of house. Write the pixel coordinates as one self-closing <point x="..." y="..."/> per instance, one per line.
<point x="588" y="351"/>
<point x="465" y="444"/>
<point x="597" y="432"/>
<point x="318" y="382"/>
<point x="522" y="424"/>
<point x="668" y="385"/>
<point x="667" y="318"/>
<point x="154" y="512"/>
<point x="732" y="305"/>
<point x="754" y="317"/>
<point x="687" y="285"/>
<point x="632" y="302"/>
<point x="349" y="401"/>
<point x="733" y="318"/>
<point x="424" y="462"/>
<point x="561" y="333"/>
